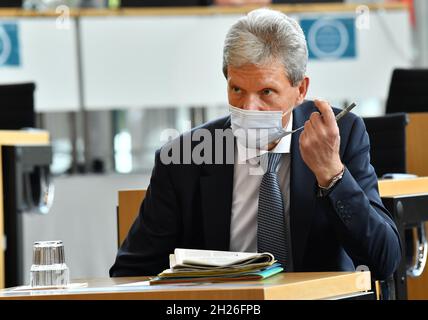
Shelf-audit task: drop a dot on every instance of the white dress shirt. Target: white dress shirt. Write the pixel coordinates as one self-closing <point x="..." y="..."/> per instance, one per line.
<point x="246" y="183"/>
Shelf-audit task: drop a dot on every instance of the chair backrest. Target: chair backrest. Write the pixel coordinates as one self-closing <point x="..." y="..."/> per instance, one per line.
<point x="408" y="91"/>
<point x="127" y="211"/>
<point x="387" y="143"/>
<point x="17" y="106"/>
<point x="11" y="3"/>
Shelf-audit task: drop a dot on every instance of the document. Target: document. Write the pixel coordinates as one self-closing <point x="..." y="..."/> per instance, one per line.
<point x="190" y="265"/>
<point x="216" y="259"/>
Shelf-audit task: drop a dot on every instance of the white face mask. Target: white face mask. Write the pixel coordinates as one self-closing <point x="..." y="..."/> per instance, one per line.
<point x="257" y="129"/>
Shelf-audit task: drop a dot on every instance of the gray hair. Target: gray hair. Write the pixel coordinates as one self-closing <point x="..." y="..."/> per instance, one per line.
<point x="264" y="36"/>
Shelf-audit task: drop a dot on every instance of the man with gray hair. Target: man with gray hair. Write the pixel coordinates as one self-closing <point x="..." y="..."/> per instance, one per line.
<point x="315" y="203"/>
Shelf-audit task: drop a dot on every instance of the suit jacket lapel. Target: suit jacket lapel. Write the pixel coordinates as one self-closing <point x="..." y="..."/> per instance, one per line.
<point x="216" y="185"/>
<point x="302" y="193"/>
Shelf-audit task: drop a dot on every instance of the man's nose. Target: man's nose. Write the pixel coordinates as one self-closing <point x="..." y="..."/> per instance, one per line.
<point x="251" y="102"/>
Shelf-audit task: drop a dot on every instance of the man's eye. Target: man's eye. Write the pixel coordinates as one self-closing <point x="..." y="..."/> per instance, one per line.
<point x="236" y="90"/>
<point x="267" y="92"/>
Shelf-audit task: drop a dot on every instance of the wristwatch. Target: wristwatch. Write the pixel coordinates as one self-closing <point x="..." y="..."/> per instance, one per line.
<point x="323" y="191"/>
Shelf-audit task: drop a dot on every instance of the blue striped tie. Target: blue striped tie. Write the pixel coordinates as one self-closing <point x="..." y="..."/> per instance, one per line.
<point x="271" y="228"/>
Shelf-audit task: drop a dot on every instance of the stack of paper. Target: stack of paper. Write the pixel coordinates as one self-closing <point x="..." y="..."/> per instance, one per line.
<point x="189" y="265"/>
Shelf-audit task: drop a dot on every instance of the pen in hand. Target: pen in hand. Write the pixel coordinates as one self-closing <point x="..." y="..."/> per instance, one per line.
<point x="339" y="116"/>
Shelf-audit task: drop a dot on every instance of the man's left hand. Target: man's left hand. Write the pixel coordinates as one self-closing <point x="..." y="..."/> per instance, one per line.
<point x="319" y="144"/>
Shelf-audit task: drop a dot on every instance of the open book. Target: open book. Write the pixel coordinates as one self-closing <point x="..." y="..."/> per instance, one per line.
<point x="190" y="265"/>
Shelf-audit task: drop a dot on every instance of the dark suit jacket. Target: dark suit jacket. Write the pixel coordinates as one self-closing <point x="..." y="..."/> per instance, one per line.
<point x="189" y="206"/>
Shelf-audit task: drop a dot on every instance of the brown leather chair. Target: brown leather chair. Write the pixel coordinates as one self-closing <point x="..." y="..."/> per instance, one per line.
<point x="128" y="208"/>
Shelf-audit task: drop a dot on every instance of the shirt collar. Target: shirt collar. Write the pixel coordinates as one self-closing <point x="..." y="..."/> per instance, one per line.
<point x="283" y="146"/>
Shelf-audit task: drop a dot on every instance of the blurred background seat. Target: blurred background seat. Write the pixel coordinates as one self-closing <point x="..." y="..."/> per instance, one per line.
<point x="408" y="91"/>
<point x="17" y="106"/>
<point x="387" y="143"/>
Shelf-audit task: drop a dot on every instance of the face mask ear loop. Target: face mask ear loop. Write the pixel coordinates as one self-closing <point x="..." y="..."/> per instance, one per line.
<point x="287" y="112"/>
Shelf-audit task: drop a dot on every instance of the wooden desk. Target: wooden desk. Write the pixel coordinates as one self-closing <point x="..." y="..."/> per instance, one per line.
<point x="10" y="138"/>
<point x="417" y="288"/>
<point x="390" y="188"/>
<point x="284" y="286"/>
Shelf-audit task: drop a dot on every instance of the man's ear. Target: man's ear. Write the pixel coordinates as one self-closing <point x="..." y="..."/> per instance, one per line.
<point x="303" y="89"/>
